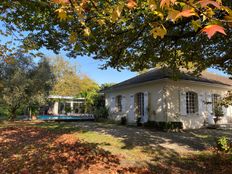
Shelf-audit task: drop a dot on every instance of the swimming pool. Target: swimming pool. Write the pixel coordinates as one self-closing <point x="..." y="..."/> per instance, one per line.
<point x="65" y="118"/>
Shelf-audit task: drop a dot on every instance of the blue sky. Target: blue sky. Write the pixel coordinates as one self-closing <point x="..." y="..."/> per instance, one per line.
<point x="90" y="67"/>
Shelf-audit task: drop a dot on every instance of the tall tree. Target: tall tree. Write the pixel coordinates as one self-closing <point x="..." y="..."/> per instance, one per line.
<point x="24" y="83"/>
<point x="69" y="81"/>
<point x="128" y="33"/>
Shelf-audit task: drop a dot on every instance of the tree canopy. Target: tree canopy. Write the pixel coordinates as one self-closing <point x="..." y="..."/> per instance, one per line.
<point x="68" y="80"/>
<point x="25" y="84"/>
<point x="128" y="33"/>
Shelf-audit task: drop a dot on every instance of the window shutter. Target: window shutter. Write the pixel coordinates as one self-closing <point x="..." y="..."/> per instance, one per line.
<point x="183" y="103"/>
<point x="131" y="114"/>
<point x="123" y="103"/>
<point x="200" y="103"/>
<point x="146" y="104"/>
<point x="209" y="103"/>
<point x="112" y="104"/>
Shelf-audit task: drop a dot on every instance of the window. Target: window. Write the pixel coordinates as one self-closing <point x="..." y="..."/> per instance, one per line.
<point x="140" y="103"/>
<point x="191" y="103"/>
<point x="119" y="103"/>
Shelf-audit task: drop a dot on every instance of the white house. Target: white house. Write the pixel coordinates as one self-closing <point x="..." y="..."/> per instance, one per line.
<point x="154" y="96"/>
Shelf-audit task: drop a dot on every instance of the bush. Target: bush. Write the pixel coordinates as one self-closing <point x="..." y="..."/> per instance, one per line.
<point x="123" y="121"/>
<point x="101" y="112"/>
<point x="164" y="125"/>
<point x="224" y="144"/>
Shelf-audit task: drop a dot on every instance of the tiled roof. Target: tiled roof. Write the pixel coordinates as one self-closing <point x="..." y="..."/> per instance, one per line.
<point x="164" y="73"/>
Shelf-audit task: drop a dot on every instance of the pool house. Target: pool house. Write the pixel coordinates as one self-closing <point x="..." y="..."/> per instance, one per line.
<point x="65" y="105"/>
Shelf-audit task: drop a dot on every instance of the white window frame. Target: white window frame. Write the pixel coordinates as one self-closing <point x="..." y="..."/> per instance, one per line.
<point x="192" y="106"/>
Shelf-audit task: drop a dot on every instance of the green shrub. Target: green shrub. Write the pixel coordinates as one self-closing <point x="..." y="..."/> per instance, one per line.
<point x="224" y="144"/>
<point x="101" y="112"/>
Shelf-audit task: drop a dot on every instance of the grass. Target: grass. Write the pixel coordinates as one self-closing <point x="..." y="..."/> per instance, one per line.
<point x="64" y="141"/>
<point x="115" y="146"/>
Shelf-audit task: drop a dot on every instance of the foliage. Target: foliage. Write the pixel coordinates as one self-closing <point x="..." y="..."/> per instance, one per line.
<point x="68" y="110"/>
<point x="143" y="71"/>
<point x="127" y="34"/>
<point x="224" y="144"/>
<point x="69" y="82"/>
<point x="218" y="111"/>
<point x="227" y="100"/>
<point x="90" y="96"/>
<point x="101" y="112"/>
<point x="25" y="83"/>
<point x="106" y="85"/>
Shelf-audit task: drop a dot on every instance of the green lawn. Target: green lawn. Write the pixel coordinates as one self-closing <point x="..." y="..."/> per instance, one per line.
<point x="106" y="148"/>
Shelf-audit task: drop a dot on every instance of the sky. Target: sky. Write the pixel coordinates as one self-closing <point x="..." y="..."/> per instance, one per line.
<point x="90" y="67"/>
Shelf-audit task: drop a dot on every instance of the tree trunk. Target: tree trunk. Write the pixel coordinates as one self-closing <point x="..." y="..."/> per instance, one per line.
<point x="12" y="116"/>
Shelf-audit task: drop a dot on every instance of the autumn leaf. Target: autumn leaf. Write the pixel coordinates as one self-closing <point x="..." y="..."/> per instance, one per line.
<point x="196" y="24"/>
<point x="116" y="12"/>
<point x="228" y="20"/>
<point x="101" y="22"/>
<point x="152" y="5"/>
<point x="62" y="14"/>
<point x="61" y="1"/>
<point x="73" y="37"/>
<point x="172" y="14"/>
<point x="159" y="32"/>
<point x="131" y="4"/>
<point x="211" y="30"/>
<point x="186" y="13"/>
<point x="205" y="3"/>
<point x="87" y="31"/>
<point x="166" y="3"/>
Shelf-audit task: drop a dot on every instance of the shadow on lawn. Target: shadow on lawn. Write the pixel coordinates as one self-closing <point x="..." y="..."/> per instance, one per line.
<point x="52" y="148"/>
<point x="201" y="139"/>
<point x="170" y="162"/>
<point x="37" y="150"/>
<point x="166" y="159"/>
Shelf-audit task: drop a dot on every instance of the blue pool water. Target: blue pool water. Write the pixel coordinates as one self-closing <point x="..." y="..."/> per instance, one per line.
<point x="64" y="117"/>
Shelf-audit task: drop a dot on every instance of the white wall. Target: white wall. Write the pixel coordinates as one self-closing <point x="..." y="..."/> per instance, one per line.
<point x="164" y="100"/>
<point x="173" y="97"/>
<point x="155" y="101"/>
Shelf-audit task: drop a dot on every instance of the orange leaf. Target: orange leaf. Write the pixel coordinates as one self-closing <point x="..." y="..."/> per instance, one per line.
<point x="61" y="1"/>
<point x="166" y="3"/>
<point x="186" y="13"/>
<point x="131" y="4"/>
<point x="210" y="30"/>
<point x="205" y="3"/>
